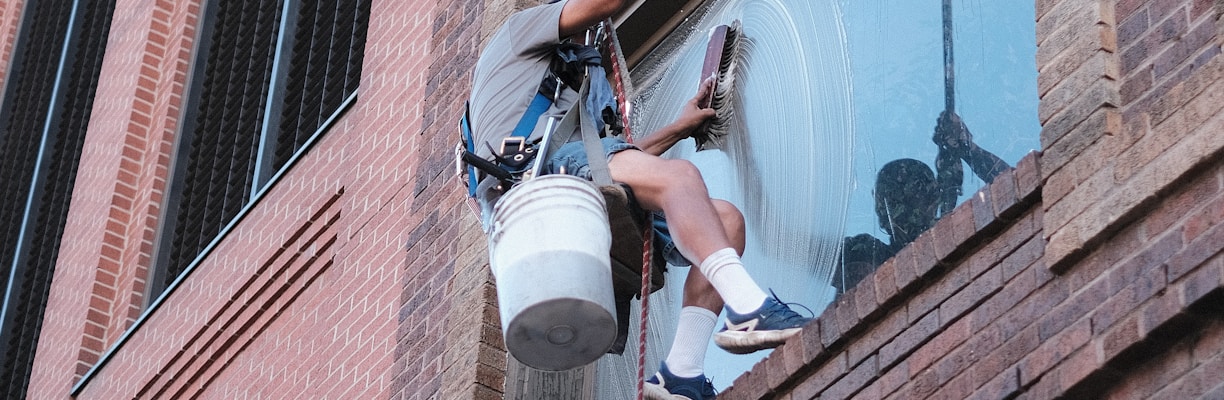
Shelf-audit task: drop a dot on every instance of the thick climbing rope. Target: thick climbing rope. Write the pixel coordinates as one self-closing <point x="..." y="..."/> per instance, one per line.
<point x="622" y="86"/>
<point x="647" y="239"/>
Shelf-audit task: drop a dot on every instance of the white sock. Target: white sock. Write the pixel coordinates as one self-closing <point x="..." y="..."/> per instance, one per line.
<point x="726" y="272"/>
<point x="687" y="356"/>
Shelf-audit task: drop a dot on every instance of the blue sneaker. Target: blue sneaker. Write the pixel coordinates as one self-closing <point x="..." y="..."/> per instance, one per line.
<point x="665" y="386"/>
<point x="767" y="327"/>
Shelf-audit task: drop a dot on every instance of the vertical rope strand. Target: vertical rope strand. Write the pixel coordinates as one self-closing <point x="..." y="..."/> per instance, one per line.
<point x="621" y="87"/>
<point x="647" y="239"/>
<point x="620" y="78"/>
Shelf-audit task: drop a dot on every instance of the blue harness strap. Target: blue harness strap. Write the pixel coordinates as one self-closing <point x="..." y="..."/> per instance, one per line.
<point x="527" y="123"/>
<point x="573" y="62"/>
<point x="465" y="132"/>
<point x="539" y="105"/>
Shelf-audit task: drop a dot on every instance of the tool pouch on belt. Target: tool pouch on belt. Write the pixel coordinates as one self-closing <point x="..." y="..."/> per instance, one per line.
<point x="628" y="222"/>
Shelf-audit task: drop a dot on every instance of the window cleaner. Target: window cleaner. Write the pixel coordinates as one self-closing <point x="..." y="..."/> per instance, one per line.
<point x="533" y="332"/>
<point x="512" y="177"/>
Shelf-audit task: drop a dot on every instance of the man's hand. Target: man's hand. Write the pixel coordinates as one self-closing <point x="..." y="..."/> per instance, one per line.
<point x="951" y="134"/>
<point x="692" y="115"/>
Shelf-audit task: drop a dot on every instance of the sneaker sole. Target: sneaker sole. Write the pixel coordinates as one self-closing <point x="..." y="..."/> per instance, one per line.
<point x="658" y="392"/>
<point x="739" y="342"/>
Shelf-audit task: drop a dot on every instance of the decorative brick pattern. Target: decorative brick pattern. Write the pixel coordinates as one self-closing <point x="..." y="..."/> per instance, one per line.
<point x="396" y="258"/>
<point x="258" y="301"/>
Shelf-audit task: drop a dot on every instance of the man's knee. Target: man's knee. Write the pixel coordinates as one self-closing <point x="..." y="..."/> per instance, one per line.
<point x="681" y="172"/>
<point x="730" y="215"/>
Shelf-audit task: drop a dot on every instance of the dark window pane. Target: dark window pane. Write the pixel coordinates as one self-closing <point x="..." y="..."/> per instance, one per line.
<point x="33" y="118"/>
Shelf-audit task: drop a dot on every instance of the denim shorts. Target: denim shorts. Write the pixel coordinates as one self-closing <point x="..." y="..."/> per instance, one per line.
<point x="573" y="157"/>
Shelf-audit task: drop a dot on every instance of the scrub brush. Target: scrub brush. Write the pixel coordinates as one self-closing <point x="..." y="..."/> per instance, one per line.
<point x="721" y="56"/>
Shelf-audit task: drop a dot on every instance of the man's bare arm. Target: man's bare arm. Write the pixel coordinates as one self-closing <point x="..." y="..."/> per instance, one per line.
<point x="578" y="15"/>
<point x="691" y="117"/>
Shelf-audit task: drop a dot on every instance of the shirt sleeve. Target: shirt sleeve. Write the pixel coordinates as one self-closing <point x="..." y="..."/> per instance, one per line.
<point x="535" y="29"/>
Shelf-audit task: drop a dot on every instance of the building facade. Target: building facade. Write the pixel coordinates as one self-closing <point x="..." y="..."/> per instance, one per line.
<point x="256" y="199"/>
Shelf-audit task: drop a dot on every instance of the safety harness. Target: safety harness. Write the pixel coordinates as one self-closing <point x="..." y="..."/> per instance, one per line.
<point x="568" y="70"/>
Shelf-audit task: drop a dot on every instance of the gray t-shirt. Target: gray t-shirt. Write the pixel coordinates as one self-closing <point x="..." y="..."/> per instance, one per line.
<point x="508" y="75"/>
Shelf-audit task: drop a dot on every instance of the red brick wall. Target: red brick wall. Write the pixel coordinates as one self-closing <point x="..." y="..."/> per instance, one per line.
<point x="449" y="338"/>
<point x="1093" y="270"/>
<point x="106" y="246"/>
<point x="10" y="17"/>
<point x="360" y="274"/>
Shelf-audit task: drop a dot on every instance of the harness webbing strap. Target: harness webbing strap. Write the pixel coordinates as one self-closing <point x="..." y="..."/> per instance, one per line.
<point x="596" y="160"/>
<point x="465" y="130"/>
<point x="526" y="124"/>
<point x="539" y="104"/>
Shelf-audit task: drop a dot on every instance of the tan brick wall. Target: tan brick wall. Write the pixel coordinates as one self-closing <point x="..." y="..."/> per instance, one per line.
<point x="1186" y="370"/>
<point x="937" y="303"/>
<point x="1130" y="121"/>
<point x="987" y="319"/>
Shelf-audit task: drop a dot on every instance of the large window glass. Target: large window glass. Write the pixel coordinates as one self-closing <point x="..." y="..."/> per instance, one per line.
<point x="833" y="152"/>
<point x="913" y="159"/>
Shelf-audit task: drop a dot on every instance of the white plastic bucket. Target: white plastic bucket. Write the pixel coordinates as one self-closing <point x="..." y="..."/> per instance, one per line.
<point x="549" y="252"/>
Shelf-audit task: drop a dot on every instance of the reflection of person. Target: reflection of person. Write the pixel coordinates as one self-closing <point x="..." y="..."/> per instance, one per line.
<point x="956" y="144"/>
<point x="909" y="197"/>
<point x="707" y="233"/>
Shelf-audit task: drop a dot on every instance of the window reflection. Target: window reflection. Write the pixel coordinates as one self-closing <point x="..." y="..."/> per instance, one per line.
<point x="910" y="197"/>
<point x="914" y="138"/>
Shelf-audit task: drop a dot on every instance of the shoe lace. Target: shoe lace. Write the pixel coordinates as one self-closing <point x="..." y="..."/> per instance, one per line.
<point x="791" y="314"/>
<point x="708" y="389"/>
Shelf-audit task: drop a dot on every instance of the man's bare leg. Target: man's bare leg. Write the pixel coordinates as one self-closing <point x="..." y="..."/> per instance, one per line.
<point x="754" y="320"/>
<point x="701" y="304"/>
<point x="698" y="292"/>
<point x="676" y="188"/>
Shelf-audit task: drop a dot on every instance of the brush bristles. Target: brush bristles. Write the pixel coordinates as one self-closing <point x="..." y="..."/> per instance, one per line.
<point x="724" y="86"/>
